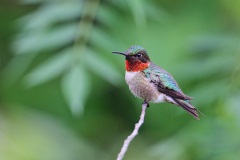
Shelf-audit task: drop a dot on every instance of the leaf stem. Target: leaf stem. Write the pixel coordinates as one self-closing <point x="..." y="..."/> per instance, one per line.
<point x="84" y="28"/>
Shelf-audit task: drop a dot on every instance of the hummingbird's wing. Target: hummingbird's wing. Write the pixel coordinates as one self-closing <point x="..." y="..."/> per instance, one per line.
<point x="164" y="82"/>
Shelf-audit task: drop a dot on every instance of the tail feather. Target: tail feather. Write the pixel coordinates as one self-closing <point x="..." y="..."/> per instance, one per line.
<point x="188" y="107"/>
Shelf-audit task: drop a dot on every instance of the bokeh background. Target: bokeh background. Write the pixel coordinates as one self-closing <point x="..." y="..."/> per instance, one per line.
<point x="63" y="94"/>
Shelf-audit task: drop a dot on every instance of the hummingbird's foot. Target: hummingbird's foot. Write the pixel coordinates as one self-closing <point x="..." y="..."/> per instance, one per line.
<point x="145" y="102"/>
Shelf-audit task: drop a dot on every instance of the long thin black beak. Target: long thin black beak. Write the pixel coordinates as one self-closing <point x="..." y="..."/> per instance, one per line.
<point x="122" y="53"/>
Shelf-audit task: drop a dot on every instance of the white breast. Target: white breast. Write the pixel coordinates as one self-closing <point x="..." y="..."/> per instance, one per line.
<point x="129" y="76"/>
<point x="142" y="88"/>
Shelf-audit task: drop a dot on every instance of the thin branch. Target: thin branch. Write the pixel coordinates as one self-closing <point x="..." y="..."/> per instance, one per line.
<point x="134" y="133"/>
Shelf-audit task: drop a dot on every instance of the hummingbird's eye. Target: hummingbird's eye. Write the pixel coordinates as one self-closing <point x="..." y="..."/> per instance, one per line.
<point x="139" y="55"/>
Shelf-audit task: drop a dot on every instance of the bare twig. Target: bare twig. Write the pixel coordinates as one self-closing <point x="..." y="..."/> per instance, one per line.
<point x="134" y="133"/>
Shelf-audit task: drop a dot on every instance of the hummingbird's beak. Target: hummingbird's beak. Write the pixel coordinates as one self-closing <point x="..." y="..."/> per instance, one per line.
<point x="122" y="53"/>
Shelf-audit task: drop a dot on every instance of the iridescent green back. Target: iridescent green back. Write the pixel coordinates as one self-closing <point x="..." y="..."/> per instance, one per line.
<point x="156" y="73"/>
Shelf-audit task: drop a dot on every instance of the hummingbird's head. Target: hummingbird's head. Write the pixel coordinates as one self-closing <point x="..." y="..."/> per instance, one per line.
<point x="136" y="58"/>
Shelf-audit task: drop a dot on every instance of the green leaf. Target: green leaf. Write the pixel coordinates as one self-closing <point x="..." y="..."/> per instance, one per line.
<point x="101" y="38"/>
<point x="107" y="16"/>
<point x="103" y="68"/>
<point x="155" y="12"/>
<point x="211" y="66"/>
<point x="75" y="88"/>
<point x="45" y="40"/>
<point x="138" y="11"/>
<point x="49" y="69"/>
<point x="13" y="72"/>
<point x="52" y="13"/>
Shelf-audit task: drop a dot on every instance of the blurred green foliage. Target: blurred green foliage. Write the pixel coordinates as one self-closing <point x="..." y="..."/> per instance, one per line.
<point x="63" y="94"/>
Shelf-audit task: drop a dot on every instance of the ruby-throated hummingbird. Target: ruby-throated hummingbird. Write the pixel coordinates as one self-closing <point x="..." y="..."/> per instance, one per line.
<point x="150" y="82"/>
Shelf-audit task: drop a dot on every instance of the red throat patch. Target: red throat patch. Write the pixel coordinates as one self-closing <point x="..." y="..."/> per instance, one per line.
<point x="135" y="66"/>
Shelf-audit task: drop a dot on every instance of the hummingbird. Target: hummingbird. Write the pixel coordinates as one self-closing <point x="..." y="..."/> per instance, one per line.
<point x="152" y="83"/>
